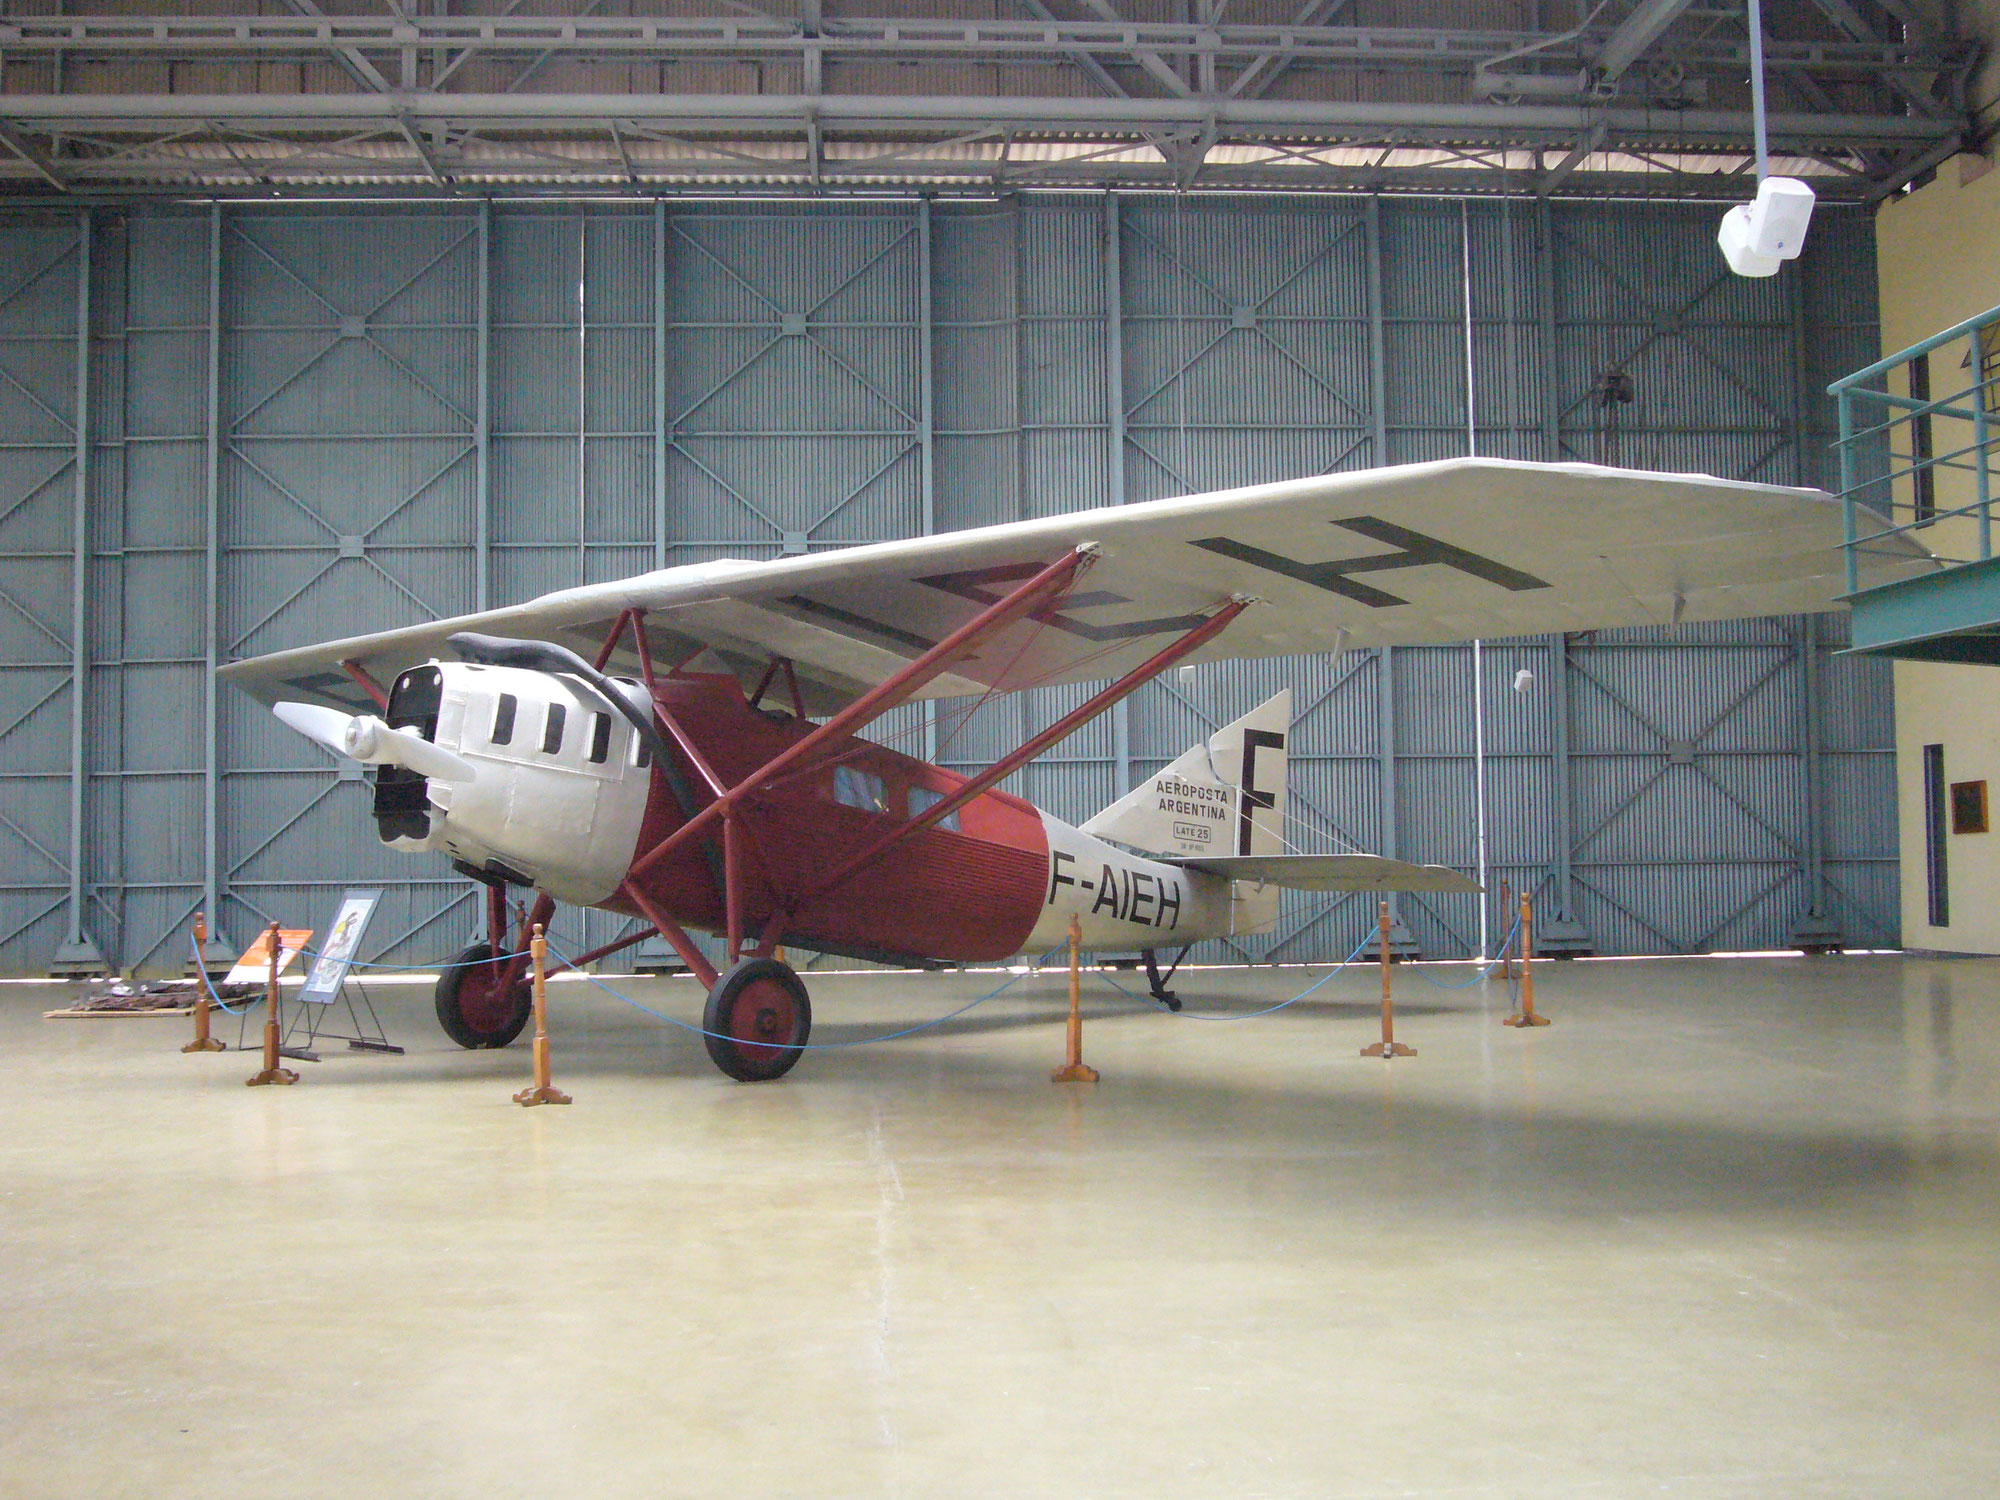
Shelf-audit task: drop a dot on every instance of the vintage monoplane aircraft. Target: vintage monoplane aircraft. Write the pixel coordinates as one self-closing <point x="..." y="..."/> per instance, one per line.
<point x="678" y="775"/>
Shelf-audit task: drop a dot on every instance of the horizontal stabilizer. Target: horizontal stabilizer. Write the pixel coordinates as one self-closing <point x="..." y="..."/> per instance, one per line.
<point x="1334" y="872"/>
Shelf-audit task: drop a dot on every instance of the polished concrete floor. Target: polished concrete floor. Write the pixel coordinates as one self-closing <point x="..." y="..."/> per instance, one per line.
<point x="1728" y="1228"/>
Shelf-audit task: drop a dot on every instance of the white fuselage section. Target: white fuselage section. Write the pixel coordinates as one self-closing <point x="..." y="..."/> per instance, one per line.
<point x="560" y="806"/>
<point x="1125" y="901"/>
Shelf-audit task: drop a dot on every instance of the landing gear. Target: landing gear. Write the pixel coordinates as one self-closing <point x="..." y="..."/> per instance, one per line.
<point x="476" y="1006"/>
<point x="757" y="1020"/>
<point x="1158" y="982"/>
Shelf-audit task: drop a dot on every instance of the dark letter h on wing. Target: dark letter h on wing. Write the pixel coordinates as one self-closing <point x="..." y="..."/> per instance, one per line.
<point x="1336" y="577"/>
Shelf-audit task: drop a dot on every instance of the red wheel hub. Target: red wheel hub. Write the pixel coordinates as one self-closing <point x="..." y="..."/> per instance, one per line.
<point x="763" y="1020"/>
<point x="484" y="998"/>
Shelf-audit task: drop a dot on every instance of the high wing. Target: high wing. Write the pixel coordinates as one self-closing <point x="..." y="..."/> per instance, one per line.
<point x="1421" y="553"/>
<point x="1332" y="872"/>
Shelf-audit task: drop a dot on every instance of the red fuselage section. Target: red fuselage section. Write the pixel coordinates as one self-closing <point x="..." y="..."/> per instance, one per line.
<point x="965" y="893"/>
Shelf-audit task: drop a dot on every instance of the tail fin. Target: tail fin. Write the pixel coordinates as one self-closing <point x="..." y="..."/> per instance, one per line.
<point x="1224" y="797"/>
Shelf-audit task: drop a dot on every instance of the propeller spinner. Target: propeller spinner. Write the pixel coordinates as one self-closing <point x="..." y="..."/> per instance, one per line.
<point x="369" y="740"/>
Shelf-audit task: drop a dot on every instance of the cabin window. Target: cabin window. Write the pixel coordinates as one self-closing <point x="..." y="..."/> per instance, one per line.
<point x="503" y="719"/>
<point x="552" y="730"/>
<point x="642" y="753"/>
<point x="922" y="799"/>
<point x="854" y="787"/>
<point x="600" y="738"/>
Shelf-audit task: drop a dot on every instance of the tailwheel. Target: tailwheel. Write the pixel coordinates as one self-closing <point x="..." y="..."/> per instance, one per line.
<point x="475" y="1006"/>
<point x="757" y="1020"/>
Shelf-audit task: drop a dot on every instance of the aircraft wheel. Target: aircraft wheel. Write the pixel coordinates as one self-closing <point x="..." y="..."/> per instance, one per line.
<point x="474" y="1008"/>
<point x="757" y="1020"/>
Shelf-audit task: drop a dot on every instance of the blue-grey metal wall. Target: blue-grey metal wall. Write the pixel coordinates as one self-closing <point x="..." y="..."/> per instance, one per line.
<point x="289" y="423"/>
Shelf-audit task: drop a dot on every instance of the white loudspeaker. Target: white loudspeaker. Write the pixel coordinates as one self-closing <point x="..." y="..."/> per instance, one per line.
<point x="1734" y="238"/>
<point x="1758" y="236"/>
<point x="1523" y="680"/>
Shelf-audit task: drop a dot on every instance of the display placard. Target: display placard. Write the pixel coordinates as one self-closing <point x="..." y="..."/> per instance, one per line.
<point x="343" y="939"/>
<point x="254" y="967"/>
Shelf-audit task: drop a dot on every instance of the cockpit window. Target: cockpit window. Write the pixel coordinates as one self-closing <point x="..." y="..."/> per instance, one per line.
<point x="600" y="738"/>
<point x="552" y="730"/>
<point x="854" y="787"/>
<point x="922" y="799"/>
<point x="503" y="719"/>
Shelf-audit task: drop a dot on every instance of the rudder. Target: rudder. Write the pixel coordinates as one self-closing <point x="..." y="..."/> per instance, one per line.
<point x="1225" y="796"/>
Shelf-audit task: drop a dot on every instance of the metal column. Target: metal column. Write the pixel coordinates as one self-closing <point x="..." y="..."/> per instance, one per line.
<point x="926" y="418"/>
<point x="1378" y="377"/>
<point x="1545" y="269"/>
<point x="1795" y="307"/>
<point x="582" y="398"/>
<point x="926" y="373"/>
<point x="482" y="429"/>
<point x="659" y="383"/>
<point x="1385" y="722"/>
<point x="1114" y="347"/>
<point x="211" y="895"/>
<point x="1818" y="930"/>
<point x="77" y="955"/>
<point x="1557" y="930"/>
<point x="1114" y="416"/>
<point x="1478" y="647"/>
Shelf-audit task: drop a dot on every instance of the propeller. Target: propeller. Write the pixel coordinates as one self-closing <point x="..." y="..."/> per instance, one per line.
<point x="369" y="740"/>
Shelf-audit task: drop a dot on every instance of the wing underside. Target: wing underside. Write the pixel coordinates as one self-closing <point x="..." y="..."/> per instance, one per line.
<point x="1418" y="554"/>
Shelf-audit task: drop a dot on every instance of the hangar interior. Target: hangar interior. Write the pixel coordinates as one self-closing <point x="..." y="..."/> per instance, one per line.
<point x="317" y="320"/>
<point x="351" y="418"/>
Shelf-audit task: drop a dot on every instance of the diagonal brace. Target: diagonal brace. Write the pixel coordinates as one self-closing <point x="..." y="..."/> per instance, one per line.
<point x="1067" y="725"/>
<point x="1036" y="592"/>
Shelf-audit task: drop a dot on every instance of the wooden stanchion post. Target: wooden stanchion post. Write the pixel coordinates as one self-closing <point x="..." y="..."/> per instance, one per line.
<point x="1075" y="1070"/>
<point x="272" y="1073"/>
<point x="1388" y="1046"/>
<point x="1526" y="1016"/>
<point x="202" y="1042"/>
<point x="543" y="1092"/>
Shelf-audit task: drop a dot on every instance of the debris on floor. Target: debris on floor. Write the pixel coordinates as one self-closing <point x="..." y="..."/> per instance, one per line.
<point x="144" y="997"/>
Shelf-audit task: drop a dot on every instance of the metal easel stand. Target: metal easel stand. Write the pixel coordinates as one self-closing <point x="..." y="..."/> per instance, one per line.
<point x="364" y="1037"/>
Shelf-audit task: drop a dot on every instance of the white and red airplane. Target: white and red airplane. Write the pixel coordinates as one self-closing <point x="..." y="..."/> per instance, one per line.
<point x="681" y="747"/>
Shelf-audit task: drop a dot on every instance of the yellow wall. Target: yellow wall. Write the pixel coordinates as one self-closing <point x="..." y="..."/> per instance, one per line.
<point x="1938" y="261"/>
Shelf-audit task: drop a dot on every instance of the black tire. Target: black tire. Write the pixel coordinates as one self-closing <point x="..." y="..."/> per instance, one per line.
<point x="757" y="1020"/>
<point x="469" y="1007"/>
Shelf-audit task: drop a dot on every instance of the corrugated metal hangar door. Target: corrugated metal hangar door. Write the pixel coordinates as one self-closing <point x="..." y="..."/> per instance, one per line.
<point x="328" y="421"/>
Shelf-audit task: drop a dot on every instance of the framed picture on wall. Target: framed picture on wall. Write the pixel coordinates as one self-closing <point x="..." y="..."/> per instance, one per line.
<point x="1968" y="807"/>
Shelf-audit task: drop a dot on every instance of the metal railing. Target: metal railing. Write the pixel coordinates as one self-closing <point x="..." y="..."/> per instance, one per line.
<point x="1891" y="465"/>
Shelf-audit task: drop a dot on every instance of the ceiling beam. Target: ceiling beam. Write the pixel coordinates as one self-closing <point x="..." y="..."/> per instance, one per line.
<point x="355" y="39"/>
<point x="40" y="164"/>
<point x="1331" y="119"/>
<point x="1635" y="34"/>
<point x="1557" y="175"/>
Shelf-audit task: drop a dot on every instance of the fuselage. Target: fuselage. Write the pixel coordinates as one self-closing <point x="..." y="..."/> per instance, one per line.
<point x="566" y="798"/>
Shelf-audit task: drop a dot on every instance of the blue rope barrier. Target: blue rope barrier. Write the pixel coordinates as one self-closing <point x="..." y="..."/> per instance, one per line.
<point x="1483" y="972"/>
<point x="314" y="955"/>
<point x="202" y="969"/>
<point x="807" y="1046"/>
<point x="1189" y="1015"/>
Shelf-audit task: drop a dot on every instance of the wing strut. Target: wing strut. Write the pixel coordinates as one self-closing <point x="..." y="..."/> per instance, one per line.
<point x="1036" y="593"/>
<point x="1067" y="725"/>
